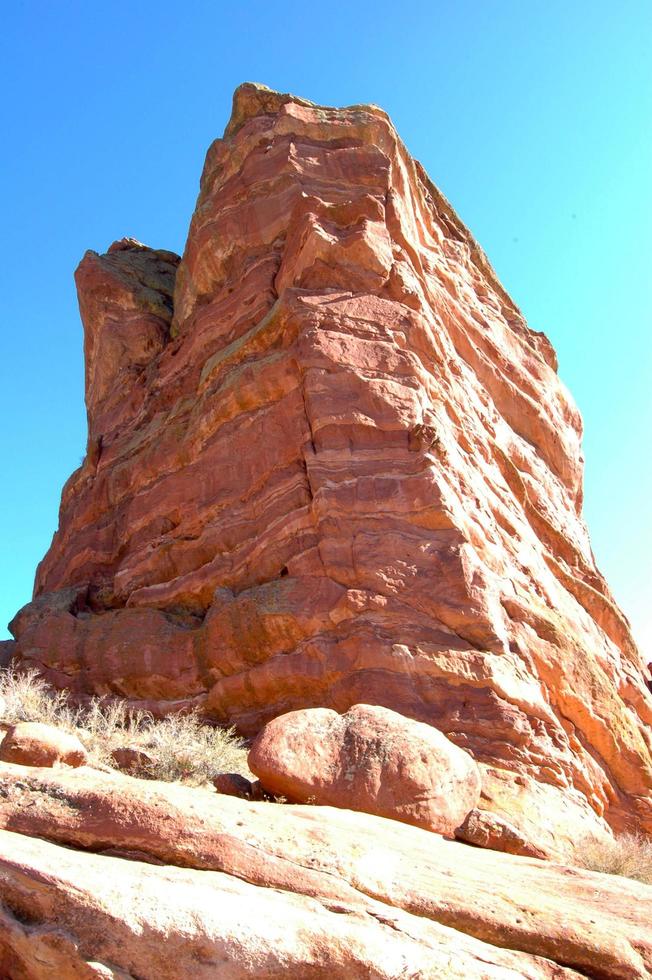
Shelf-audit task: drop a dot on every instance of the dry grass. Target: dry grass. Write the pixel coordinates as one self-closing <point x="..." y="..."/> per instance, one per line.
<point x="26" y="697"/>
<point x="180" y="747"/>
<point x="629" y="855"/>
<point x="183" y="748"/>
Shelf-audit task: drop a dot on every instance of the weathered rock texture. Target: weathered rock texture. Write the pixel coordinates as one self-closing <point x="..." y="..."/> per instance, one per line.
<point x="370" y="759"/>
<point x="335" y="465"/>
<point x="262" y="890"/>
<point x="30" y="743"/>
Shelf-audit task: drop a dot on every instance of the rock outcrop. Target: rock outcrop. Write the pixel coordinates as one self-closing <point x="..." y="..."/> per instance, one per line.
<point x="7" y="651"/>
<point x="370" y="759"/>
<point x="185" y="882"/>
<point x="329" y="462"/>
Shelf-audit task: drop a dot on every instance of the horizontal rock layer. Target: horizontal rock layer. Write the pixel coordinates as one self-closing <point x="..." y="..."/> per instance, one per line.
<point x="330" y="463"/>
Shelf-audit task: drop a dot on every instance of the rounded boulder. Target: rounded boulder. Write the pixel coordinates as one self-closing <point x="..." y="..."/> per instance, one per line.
<point x="31" y="743"/>
<point x="370" y="759"/>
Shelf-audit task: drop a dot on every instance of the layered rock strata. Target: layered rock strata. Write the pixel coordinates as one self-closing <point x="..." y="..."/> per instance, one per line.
<point x="330" y="463"/>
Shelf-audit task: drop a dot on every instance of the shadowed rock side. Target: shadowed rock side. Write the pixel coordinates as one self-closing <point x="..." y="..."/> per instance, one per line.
<point x="340" y="468"/>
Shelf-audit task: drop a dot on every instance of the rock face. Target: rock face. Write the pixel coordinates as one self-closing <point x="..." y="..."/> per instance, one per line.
<point x="69" y="915"/>
<point x="333" y="464"/>
<point x="30" y="743"/>
<point x="370" y="759"/>
<point x="189" y="883"/>
<point x="7" y="651"/>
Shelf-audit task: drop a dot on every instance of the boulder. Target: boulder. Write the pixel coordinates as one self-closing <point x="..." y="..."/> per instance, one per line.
<point x="486" y="829"/>
<point x="127" y="758"/>
<point x="233" y="784"/>
<point x="31" y="743"/>
<point x="370" y="759"/>
<point x="248" y="889"/>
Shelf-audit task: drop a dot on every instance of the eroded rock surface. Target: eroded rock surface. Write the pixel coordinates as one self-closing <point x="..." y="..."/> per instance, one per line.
<point x="329" y="462"/>
<point x="70" y="916"/>
<point x="370" y="759"/>
<point x="7" y="651"/>
<point x="187" y="882"/>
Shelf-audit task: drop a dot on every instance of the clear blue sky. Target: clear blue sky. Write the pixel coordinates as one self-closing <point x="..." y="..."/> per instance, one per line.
<point x="533" y="118"/>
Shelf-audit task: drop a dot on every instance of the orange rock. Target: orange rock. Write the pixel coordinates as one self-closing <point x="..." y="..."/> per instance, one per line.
<point x="485" y="829"/>
<point x="369" y="759"/>
<point x="335" y="465"/>
<point x="31" y="743"/>
<point x="71" y="916"/>
<point x="312" y="888"/>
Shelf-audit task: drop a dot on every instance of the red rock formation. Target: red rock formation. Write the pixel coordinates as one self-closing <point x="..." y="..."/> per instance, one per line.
<point x="368" y="759"/>
<point x="340" y="467"/>
<point x="262" y="890"/>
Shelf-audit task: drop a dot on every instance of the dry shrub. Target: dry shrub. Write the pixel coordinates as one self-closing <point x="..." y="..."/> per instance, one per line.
<point x="24" y="696"/>
<point x="183" y="748"/>
<point x="104" y="725"/>
<point x="629" y="855"/>
<point x="180" y="747"/>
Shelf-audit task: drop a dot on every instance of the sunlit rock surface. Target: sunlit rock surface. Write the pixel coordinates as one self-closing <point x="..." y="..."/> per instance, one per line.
<point x="370" y="759"/>
<point x="330" y="463"/>
<point x="188" y="883"/>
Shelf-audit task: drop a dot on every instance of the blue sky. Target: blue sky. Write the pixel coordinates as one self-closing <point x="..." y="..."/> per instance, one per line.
<point x="533" y="118"/>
